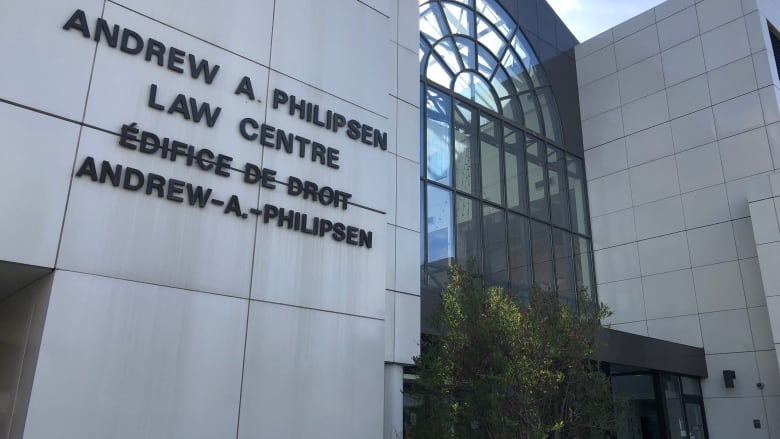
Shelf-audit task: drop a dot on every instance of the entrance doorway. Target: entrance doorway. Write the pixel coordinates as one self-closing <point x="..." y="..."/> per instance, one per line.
<point x="658" y="405"/>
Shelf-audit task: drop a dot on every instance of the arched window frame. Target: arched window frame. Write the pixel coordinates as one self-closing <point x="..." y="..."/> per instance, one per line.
<point x="513" y="45"/>
<point x="564" y="244"/>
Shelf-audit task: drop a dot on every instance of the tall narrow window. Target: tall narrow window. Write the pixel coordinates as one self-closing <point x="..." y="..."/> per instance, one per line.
<point x="514" y="170"/>
<point x="438" y="139"/>
<point x="536" y="159"/>
<point x="490" y="156"/>
<point x="466" y="150"/>
<point x="439" y="233"/>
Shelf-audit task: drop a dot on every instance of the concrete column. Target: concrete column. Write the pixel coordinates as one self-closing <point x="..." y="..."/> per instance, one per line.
<point x="394" y="401"/>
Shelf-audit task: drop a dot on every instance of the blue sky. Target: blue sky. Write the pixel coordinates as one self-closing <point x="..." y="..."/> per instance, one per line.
<point x="587" y="18"/>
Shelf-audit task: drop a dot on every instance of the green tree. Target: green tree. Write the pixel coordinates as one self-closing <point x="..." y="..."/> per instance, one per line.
<point x="500" y="370"/>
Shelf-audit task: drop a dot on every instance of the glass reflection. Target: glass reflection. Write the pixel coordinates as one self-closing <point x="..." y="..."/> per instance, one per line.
<point x="536" y="159"/>
<point x="514" y="170"/>
<point x="530" y="111"/>
<point x="489" y="139"/>
<point x="432" y="25"/>
<point x="448" y="53"/>
<point x="583" y="267"/>
<point x="559" y="197"/>
<point x="459" y="18"/>
<point x="519" y="255"/>
<point x="488" y="36"/>
<point x="467" y="52"/>
<point x="494" y="248"/>
<point x="437" y="72"/>
<point x="541" y="252"/>
<point x="577" y="200"/>
<point x="439" y="234"/>
<point x="516" y="71"/>
<point x="564" y="269"/>
<point x="437" y="138"/>
<point x="423" y="224"/>
<point x="678" y="428"/>
<point x="497" y="16"/>
<point x="468" y="235"/>
<point x="641" y="418"/>
<point x="552" y="123"/>
<point x="473" y="87"/>
<point x="466" y="150"/>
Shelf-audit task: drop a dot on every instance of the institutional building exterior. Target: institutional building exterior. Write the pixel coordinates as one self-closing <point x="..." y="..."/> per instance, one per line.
<point x="200" y="227"/>
<point x="233" y="220"/>
<point x="680" y="127"/>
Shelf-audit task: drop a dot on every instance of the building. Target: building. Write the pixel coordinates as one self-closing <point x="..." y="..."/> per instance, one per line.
<point x="679" y="108"/>
<point x="215" y="218"/>
<point x="677" y="111"/>
<point x="229" y="279"/>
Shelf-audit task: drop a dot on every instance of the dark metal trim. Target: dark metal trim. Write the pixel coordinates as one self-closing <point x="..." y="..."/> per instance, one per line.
<point x="639" y="351"/>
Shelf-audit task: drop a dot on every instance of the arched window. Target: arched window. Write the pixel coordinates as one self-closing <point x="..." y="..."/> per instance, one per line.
<point x="475" y="49"/>
<point x="497" y="188"/>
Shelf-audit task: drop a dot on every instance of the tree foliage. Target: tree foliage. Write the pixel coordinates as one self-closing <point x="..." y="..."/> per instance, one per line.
<point x="499" y="370"/>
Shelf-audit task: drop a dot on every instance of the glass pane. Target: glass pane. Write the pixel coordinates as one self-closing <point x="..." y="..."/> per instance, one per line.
<point x="439" y="236"/>
<point x="468" y="53"/>
<point x="530" y="111"/>
<point x="582" y="265"/>
<point x="496" y="15"/>
<point x="690" y="386"/>
<point x="488" y="36"/>
<point x="640" y="417"/>
<point x="633" y="387"/>
<point x="577" y="201"/>
<point x="541" y="252"/>
<point x="466" y="150"/>
<point x="422" y="132"/>
<point x="468" y="231"/>
<point x="439" y="121"/>
<point x="432" y="25"/>
<point x="528" y="57"/>
<point x="424" y="49"/>
<point x="514" y="170"/>
<point x="502" y="85"/>
<point x="437" y="72"/>
<point x="559" y="198"/>
<point x="495" y="252"/>
<point x="486" y="62"/>
<point x="695" y="420"/>
<point x="516" y="71"/>
<point x="506" y="92"/>
<point x="459" y="18"/>
<point x="511" y="109"/>
<point x="678" y="429"/>
<point x="519" y="255"/>
<point x="422" y="231"/>
<point x="564" y="269"/>
<point x="447" y="53"/>
<point x="490" y="140"/>
<point x="538" y="78"/>
<point x="536" y="158"/>
<point x="552" y="125"/>
<point x="473" y="87"/>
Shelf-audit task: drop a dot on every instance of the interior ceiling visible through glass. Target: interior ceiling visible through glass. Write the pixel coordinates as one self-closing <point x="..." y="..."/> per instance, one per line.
<point x="475" y="49"/>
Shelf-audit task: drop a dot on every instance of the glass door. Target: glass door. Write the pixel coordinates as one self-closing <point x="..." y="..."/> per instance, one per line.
<point x="695" y="419"/>
<point x="684" y="407"/>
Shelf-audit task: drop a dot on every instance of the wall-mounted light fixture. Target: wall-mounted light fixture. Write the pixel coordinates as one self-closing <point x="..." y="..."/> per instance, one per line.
<point x="728" y="377"/>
